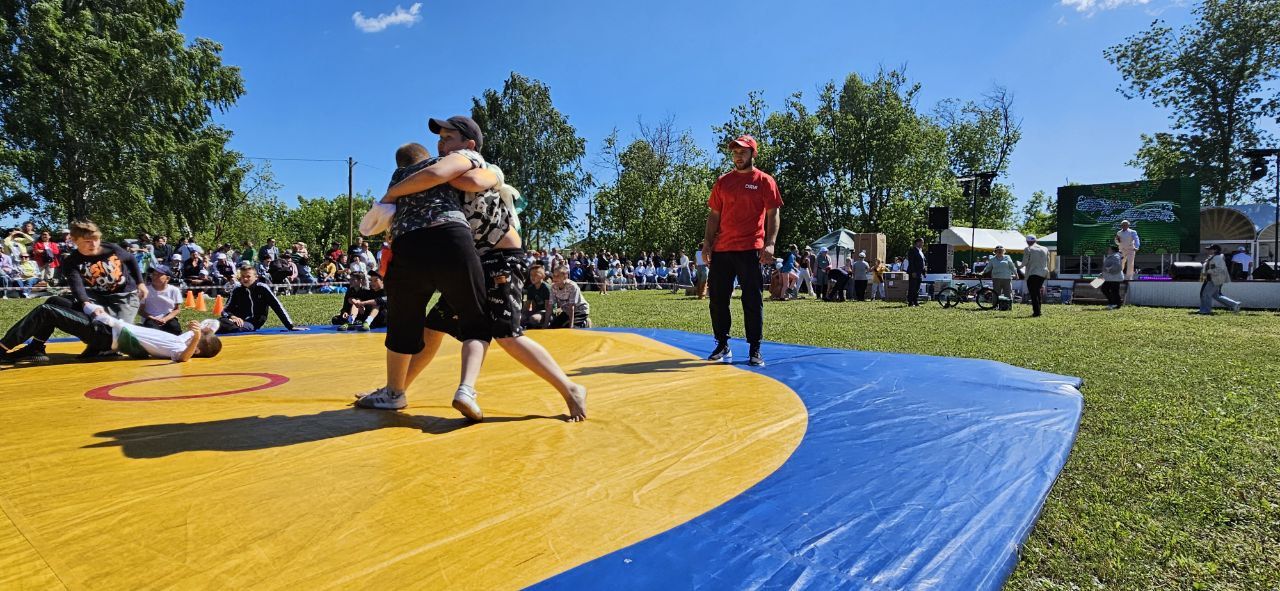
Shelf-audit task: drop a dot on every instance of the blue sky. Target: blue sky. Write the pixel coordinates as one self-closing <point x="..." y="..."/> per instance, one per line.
<point x="324" y="84"/>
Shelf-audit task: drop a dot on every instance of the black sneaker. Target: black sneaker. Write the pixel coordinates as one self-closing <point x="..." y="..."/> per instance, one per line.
<point x="756" y="360"/>
<point x="722" y="353"/>
<point x="32" y="352"/>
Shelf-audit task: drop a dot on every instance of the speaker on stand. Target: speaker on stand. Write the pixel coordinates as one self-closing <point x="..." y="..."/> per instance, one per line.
<point x="939" y="218"/>
<point x="938" y="258"/>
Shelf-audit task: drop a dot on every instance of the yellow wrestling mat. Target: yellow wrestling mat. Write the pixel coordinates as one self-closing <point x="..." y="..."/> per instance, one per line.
<point x="144" y="474"/>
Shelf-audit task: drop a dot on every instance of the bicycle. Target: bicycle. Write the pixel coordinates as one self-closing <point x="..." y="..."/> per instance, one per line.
<point x="950" y="297"/>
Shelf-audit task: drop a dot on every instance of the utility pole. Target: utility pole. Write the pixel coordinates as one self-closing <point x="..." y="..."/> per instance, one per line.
<point x="351" y="212"/>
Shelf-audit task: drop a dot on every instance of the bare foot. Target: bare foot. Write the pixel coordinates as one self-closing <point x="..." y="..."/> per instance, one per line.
<point x="577" y="400"/>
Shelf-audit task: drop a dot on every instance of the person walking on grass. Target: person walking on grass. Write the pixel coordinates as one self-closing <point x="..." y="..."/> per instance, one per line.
<point x="1036" y="260"/>
<point x="742" y="227"/>
<point x="1112" y="276"/>
<point x="1003" y="271"/>
<point x="1214" y="276"/>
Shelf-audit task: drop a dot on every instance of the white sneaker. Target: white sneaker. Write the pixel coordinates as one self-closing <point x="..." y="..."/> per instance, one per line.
<point x="1236" y="308"/>
<point x="464" y="401"/>
<point x="382" y="399"/>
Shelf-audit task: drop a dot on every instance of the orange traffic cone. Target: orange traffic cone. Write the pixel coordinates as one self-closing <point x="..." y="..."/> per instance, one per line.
<point x="190" y="301"/>
<point x="217" y="306"/>
<point x="201" y="305"/>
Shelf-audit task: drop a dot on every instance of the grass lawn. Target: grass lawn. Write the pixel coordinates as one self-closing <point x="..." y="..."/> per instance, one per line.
<point x="1174" y="482"/>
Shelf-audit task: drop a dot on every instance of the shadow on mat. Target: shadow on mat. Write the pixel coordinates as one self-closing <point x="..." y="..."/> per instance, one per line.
<point x="641" y="367"/>
<point x="254" y="433"/>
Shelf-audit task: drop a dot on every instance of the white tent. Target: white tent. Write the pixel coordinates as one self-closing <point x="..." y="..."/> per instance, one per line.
<point x="966" y="238"/>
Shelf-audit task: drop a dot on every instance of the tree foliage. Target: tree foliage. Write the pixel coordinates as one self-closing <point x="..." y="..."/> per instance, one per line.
<point x="864" y="157"/>
<point x="658" y="196"/>
<point x="107" y="110"/>
<point x="1040" y="215"/>
<point x="1217" y="77"/>
<point x="538" y="150"/>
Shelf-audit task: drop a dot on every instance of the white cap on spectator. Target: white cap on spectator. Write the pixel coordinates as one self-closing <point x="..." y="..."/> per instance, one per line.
<point x="1031" y="237"/>
<point x="175" y="257"/>
<point x="220" y="256"/>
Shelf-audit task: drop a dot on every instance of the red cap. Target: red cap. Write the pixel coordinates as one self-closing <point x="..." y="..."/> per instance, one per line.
<point x="746" y="141"/>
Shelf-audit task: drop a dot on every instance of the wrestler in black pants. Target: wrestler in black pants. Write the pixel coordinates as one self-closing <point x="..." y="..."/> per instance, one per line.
<point x="744" y="266"/>
<point x="440" y="258"/>
<point x="58" y="313"/>
<point x="1035" y="283"/>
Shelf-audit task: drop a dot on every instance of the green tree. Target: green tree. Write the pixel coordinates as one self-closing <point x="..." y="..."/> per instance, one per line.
<point x="658" y="197"/>
<point x="1163" y="156"/>
<point x="538" y="150"/>
<point x="1040" y="215"/>
<point x="1217" y="77"/>
<point x="107" y="110"/>
<point x="892" y="159"/>
<point x="317" y="221"/>
<point x="980" y="138"/>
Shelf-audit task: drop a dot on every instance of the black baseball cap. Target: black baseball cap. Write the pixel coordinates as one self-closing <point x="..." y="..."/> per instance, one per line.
<point x="461" y="124"/>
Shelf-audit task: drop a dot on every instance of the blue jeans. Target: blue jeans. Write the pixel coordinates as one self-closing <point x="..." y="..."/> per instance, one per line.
<point x="1210" y="291"/>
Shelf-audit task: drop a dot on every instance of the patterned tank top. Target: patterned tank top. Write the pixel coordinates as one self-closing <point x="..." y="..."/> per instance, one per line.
<point x="436" y="206"/>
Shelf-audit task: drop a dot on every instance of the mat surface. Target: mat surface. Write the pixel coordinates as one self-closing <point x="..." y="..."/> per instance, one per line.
<point x="902" y="472"/>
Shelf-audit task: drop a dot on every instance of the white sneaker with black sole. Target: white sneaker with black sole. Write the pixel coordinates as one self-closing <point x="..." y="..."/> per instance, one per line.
<point x="382" y="399"/>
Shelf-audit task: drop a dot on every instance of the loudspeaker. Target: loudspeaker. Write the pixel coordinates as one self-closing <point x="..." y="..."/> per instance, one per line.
<point x="939" y="257"/>
<point x="939" y="218"/>
<point x="1266" y="271"/>
<point x="1186" y="271"/>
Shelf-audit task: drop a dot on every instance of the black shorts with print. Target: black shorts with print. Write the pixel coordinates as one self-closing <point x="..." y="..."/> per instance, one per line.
<point x="505" y="271"/>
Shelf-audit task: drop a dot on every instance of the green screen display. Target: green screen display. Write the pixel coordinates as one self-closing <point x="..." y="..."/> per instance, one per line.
<point x="1165" y="213"/>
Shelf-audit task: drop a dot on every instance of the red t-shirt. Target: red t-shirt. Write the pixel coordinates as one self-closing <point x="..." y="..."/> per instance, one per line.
<point x="741" y="199"/>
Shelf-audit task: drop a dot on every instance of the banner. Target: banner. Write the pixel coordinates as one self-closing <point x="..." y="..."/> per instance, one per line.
<point x="1165" y="213"/>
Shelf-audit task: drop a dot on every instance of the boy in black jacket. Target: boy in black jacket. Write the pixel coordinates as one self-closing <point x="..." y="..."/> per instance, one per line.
<point x="247" y="307"/>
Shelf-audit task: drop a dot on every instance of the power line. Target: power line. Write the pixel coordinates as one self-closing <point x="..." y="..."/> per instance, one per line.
<point x="293" y="159"/>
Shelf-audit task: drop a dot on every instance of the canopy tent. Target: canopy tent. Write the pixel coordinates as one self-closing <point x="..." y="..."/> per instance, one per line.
<point x="841" y="243"/>
<point x="1049" y="241"/>
<point x="840" y="239"/>
<point x="966" y="238"/>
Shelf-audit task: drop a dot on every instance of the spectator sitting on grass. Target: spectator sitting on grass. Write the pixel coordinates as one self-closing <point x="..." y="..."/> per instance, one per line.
<point x="163" y="303"/>
<point x="247" y="307"/>
<point x="283" y="272"/>
<point x="174" y="270"/>
<point x="196" y="272"/>
<point x="263" y="268"/>
<point x="367" y="306"/>
<point x="537" y="299"/>
<point x="356" y="264"/>
<point x="10" y="278"/>
<point x="567" y="297"/>
<point x="223" y="271"/>
<point x="327" y="271"/>
<point x="28" y="274"/>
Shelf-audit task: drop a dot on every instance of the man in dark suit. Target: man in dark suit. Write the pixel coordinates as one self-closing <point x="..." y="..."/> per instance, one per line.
<point x="916" y="269"/>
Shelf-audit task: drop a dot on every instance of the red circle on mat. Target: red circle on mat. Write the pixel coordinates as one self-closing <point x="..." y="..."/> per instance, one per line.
<point x="104" y="392"/>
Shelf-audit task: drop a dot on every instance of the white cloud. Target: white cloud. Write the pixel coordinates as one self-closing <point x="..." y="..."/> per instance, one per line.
<point x="1091" y="7"/>
<point x="399" y="16"/>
